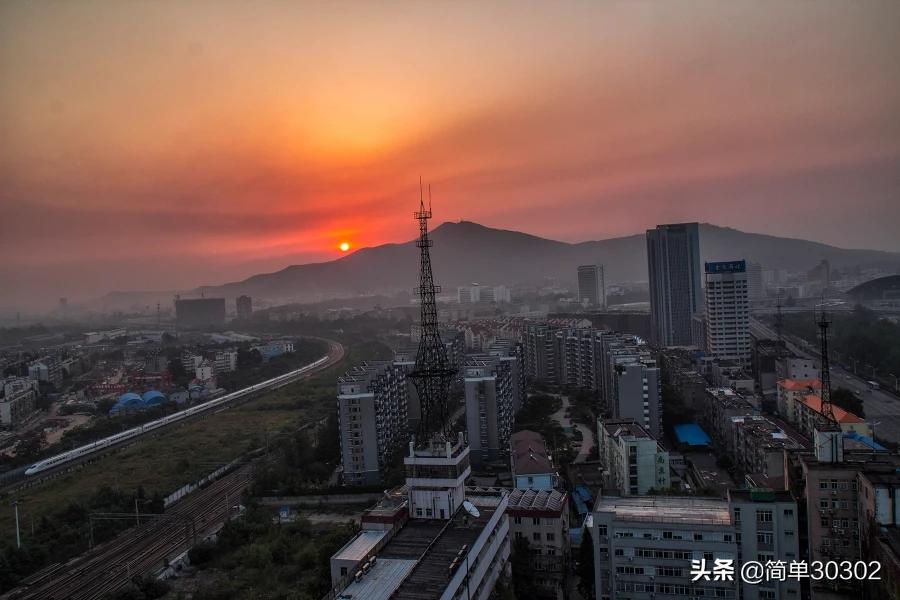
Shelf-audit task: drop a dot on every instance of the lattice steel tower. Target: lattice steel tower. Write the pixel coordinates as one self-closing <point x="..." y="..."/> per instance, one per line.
<point x="432" y="374"/>
<point x="827" y="410"/>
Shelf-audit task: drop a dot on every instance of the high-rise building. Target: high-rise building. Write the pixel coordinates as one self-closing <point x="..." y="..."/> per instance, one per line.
<point x="755" y="288"/>
<point x="244" y="306"/>
<point x="591" y="286"/>
<point x="373" y="405"/>
<point x="728" y="311"/>
<point x="673" y="264"/>
<point x="636" y="393"/>
<point x="493" y="394"/>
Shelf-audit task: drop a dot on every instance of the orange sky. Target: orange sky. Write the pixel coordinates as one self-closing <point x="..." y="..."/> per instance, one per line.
<point x="164" y="145"/>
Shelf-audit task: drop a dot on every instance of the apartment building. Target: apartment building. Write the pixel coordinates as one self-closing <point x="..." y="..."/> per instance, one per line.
<point x="673" y="265"/>
<point x="643" y="546"/>
<point x="635" y="392"/>
<point x="373" y="416"/>
<point x="809" y="416"/>
<point x="18" y="401"/>
<point x="758" y="444"/>
<point x="591" y="286"/>
<point x="530" y="462"/>
<point x="226" y="361"/>
<point x="789" y="393"/>
<point x="768" y="529"/>
<point x="542" y="518"/>
<point x="633" y="460"/>
<point x="493" y="392"/>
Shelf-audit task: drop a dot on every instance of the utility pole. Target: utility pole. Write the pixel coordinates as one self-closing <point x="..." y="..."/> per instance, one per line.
<point x="18" y="536"/>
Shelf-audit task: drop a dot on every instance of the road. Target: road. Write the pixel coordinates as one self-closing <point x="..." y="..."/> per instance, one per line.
<point x="882" y="408"/>
<point x="587" y="436"/>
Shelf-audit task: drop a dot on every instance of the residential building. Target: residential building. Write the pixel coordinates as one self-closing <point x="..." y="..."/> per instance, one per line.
<point x="190" y="361"/>
<point x="720" y="405"/>
<point x="373" y="417"/>
<point x="644" y="546"/>
<point x="468" y="294"/>
<point x="226" y="361"/>
<point x="796" y="367"/>
<point x="530" y="461"/>
<point x="47" y="369"/>
<point x="755" y="289"/>
<point x="200" y="312"/>
<point x="493" y="392"/>
<point x="274" y="348"/>
<point x="757" y="444"/>
<point x="591" y="286"/>
<point x="636" y="394"/>
<point x="19" y="400"/>
<point x="540" y="352"/>
<point x="673" y="264"/>
<point x="244" y="307"/>
<point x="789" y="393"/>
<point x="727" y="311"/>
<point x="205" y="371"/>
<point x="809" y="416"/>
<point x="633" y="460"/>
<point x="542" y="518"/>
<point x="768" y="527"/>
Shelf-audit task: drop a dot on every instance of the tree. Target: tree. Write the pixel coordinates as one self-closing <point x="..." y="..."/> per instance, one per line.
<point x="847" y="400"/>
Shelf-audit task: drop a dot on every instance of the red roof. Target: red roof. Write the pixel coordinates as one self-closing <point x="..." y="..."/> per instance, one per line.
<point x="842" y="416"/>
<point x="800" y="385"/>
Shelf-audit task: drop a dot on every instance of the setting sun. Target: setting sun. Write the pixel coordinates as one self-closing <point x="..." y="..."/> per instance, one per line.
<point x="344" y="246"/>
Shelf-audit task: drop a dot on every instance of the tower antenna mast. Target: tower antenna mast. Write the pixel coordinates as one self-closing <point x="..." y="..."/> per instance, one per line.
<point x="432" y="374"/>
<point x="827" y="409"/>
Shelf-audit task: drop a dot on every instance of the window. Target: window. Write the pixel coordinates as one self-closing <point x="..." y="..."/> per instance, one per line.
<point x="550" y="537"/>
<point x="519" y="535"/>
<point x="788" y="532"/>
<point x="667" y="535"/>
<point x="601" y="529"/>
<point x="698" y="537"/>
<point x="764" y="516"/>
<point x="727" y="537"/>
<point x="708" y="556"/>
<point x="536" y="536"/>
<point x="536" y="521"/>
<point x="620" y="552"/>
<point x="764" y="538"/>
<point x="789" y="512"/>
<point x="517" y="520"/>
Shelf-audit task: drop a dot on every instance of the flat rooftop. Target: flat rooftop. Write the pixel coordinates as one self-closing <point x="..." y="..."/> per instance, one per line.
<point x="666" y="509"/>
<point x="431" y="575"/>
<point x="380" y="581"/>
<point x="357" y="548"/>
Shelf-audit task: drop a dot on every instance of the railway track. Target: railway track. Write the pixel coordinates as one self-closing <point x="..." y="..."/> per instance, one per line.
<point x="143" y="550"/>
<point x="10" y="482"/>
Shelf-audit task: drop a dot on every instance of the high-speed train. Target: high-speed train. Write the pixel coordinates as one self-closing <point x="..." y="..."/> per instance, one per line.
<point x="87" y="449"/>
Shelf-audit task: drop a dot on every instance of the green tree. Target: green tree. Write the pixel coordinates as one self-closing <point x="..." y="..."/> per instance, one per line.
<point x="522" y="570"/>
<point x="847" y="400"/>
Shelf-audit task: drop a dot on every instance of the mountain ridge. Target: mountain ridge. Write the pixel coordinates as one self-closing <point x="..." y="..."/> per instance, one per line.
<point x="466" y="252"/>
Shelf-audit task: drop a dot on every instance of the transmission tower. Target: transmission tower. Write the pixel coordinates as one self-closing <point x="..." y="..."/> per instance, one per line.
<point x="827" y="410"/>
<point x="432" y="373"/>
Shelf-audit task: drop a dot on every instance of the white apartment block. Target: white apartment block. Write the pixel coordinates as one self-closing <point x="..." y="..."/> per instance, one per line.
<point x="373" y="415"/>
<point x="226" y="361"/>
<point x="643" y="547"/>
<point x="728" y="311"/>
<point x="634" y="461"/>
<point x="18" y="401"/>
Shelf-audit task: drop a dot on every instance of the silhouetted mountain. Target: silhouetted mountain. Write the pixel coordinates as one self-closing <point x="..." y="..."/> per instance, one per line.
<point x="467" y="252"/>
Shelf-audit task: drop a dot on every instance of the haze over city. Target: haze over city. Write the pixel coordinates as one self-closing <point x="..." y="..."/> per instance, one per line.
<point x="169" y="145"/>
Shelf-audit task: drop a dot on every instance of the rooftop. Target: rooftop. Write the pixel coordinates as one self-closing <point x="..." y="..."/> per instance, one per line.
<point x="357" y="548"/>
<point x="815" y="402"/>
<point x="761" y="495"/>
<point x="552" y="500"/>
<point x="529" y="453"/>
<point x="625" y="428"/>
<point x="800" y="385"/>
<point x="688" y="510"/>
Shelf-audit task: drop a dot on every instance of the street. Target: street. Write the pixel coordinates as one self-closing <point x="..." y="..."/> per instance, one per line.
<point x="882" y="408"/>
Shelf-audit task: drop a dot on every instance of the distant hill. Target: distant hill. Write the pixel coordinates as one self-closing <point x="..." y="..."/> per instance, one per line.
<point x="467" y="252"/>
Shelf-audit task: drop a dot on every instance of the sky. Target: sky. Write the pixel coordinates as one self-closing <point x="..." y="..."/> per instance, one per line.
<point x="164" y="145"/>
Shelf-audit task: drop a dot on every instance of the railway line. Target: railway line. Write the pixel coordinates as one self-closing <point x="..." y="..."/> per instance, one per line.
<point x="140" y="551"/>
<point x="48" y="468"/>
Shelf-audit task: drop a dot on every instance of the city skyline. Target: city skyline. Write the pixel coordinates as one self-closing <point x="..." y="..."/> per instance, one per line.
<point x="167" y="146"/>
